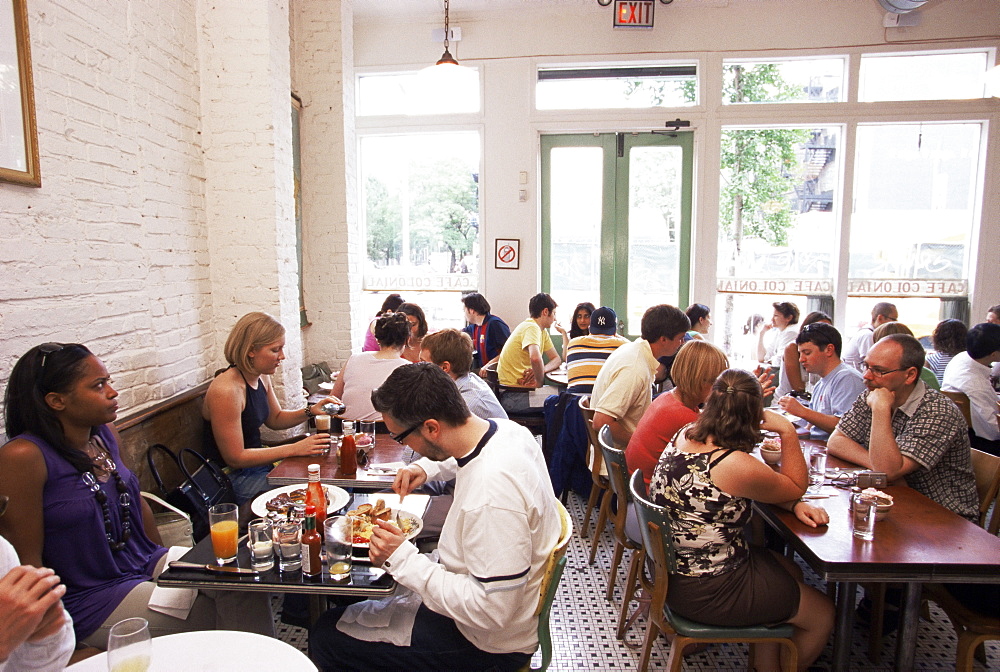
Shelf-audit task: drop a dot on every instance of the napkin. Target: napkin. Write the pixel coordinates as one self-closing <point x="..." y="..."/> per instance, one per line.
<point x="387" y="620"/>
<point x="176" y="602"/>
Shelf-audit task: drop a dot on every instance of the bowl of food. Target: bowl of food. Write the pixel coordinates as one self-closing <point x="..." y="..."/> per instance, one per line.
<point x="883" y="502"/>
<point x="770" y="450"/>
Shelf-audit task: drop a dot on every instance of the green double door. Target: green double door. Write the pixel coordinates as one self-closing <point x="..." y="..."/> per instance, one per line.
<point x="616" y="222"/>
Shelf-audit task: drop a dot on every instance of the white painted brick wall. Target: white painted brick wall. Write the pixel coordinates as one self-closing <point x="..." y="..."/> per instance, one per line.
<point x="164" y="137"/>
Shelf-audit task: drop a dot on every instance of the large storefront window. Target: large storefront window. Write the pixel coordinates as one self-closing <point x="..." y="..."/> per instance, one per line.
<point x="777" y="217"/>
<point x="420" y="195"/>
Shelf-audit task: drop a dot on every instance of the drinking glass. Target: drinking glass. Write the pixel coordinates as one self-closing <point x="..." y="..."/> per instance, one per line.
<point x="339" y="536"/>
<point x="817" y="468"/>
<point x="368" y="428"/>
<point x="863" y="510"/>
<point x="222" y="519"/>
<point x="260" y="541"/>
<point x="129" y="646"/>
<point x="288" y="537"/>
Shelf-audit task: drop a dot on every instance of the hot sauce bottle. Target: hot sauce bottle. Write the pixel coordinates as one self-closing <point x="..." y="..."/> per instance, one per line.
<point x="315" y="495"/>
<point x="348" y="451"/>
<point x="312" y="545"/>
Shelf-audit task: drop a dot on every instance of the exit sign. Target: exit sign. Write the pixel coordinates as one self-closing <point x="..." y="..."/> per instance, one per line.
<point x="634" y="13"/>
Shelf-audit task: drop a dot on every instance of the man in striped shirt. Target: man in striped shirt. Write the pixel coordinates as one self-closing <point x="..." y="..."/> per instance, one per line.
<point x="585" y="355"/>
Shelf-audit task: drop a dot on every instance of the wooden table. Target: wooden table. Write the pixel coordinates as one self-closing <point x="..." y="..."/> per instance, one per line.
<point x="919" y="542"/>
<point x="293" y="470"/>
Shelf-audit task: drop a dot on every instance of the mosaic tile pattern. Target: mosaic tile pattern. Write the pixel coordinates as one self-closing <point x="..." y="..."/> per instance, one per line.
<point x="583" y="625"/>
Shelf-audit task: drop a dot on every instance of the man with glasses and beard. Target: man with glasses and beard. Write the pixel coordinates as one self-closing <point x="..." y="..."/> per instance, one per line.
<point x="473" y="607"/>
<point x="909" y="431"/>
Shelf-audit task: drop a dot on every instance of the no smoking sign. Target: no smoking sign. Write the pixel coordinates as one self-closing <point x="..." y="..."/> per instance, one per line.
<point x="507" y="253"/>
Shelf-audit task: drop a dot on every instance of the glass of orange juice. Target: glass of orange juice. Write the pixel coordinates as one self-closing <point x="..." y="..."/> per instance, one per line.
<point x="222" y="519"/>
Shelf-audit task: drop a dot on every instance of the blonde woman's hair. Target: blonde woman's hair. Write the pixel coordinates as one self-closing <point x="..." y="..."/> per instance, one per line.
<point x="252" y="331"/>
<point x="887" y="328"/>
<point x="698" y="364"/>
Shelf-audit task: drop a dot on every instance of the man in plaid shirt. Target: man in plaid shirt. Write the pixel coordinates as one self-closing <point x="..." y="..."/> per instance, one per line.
<point x="907" y="430"/>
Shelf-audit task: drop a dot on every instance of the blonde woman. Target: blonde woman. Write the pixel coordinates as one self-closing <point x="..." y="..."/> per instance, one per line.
<point x="241" y="399"/>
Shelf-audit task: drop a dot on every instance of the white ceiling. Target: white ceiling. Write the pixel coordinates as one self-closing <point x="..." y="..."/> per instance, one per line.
<point x="465" y="8"/>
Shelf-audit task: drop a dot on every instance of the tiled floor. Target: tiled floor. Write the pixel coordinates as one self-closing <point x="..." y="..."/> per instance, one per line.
<point x="583" y="626"/>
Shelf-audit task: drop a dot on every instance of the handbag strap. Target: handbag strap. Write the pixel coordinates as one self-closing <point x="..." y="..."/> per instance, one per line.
<point x="220" y="478"/>
<point x="171" y="457"/>
<point x="153" y="498"/>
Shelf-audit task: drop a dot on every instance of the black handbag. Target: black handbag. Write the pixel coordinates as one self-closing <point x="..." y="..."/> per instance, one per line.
<point x="206" y="486"/>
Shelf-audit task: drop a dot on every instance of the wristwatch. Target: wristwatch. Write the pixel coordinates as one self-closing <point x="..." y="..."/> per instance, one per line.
<point x="309" y="414"/>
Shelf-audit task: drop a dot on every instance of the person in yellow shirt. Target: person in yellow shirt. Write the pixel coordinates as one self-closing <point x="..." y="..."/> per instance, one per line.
<point x="529" y="353"/>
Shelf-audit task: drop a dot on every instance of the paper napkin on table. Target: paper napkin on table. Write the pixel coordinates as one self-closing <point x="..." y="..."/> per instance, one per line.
<point x="176" y="602"/>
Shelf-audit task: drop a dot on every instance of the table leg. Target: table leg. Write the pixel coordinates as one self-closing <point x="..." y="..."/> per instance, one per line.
<point x="908" y="624"/>
<point x="843" y="628"/>
<point x="317" y="605"/>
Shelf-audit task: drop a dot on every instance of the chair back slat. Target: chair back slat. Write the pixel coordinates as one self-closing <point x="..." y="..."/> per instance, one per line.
<point x="614" y="458"/>
<point x="986" y="469"/>
<point x="596" y="460"/>
<point x="657" y="536"/>
<point x="962" y="401"/>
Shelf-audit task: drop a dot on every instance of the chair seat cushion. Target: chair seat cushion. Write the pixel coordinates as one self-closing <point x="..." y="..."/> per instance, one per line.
<point x="701" y="631"/>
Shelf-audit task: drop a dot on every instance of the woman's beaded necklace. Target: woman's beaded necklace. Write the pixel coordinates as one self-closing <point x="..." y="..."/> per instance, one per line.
<point x="102" y="460"/>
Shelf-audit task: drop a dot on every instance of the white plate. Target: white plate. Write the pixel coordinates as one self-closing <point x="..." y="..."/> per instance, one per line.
<point x="337" y="498"/>
<point x="418" y="524"/>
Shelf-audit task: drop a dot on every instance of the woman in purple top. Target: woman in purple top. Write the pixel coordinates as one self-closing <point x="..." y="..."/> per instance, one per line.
<point x="73" y="504"/>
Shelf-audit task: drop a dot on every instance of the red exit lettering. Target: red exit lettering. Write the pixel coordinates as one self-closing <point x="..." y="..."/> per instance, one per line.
<point x="633" y="13"/>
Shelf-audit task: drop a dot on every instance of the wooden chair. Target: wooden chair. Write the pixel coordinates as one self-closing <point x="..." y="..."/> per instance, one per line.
<point x="600" y="482"/>
<point x="971" y="627"/>
<point x="547" y="592"/>
<point x="533" y="419"/>
<point x="658" y="542"/>
<point x="986" y="469"/>
<point x="963" y="404"/>
<point x="618" y="477"/>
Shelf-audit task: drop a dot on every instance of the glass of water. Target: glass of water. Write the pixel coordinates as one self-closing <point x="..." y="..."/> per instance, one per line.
<point x="817" y="468"/>
<point x="288" y="538"/>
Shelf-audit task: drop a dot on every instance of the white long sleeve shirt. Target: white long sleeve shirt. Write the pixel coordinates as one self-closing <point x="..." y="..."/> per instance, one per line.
<point x="501" y="527"/>
<point x="51" y="653"/>
<point x="966" y="375"/>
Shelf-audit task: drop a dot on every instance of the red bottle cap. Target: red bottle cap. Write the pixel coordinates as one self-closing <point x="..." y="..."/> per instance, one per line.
<point x="310" y="510"/>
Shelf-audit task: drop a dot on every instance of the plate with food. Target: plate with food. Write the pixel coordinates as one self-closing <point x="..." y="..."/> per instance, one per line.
<point x="364" y="518"/>
<point x="278" y="502"/>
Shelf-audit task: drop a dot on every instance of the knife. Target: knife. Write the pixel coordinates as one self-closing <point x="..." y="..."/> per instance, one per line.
<point x="220" y="569"/>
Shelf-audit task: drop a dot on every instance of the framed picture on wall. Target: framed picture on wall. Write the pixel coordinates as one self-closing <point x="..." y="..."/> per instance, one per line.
<point x="508" y="253"/>
<point x="18" y="133"/>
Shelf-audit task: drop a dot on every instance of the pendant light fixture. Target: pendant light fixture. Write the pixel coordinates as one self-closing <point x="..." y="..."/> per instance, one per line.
<point x="446" y="57"/>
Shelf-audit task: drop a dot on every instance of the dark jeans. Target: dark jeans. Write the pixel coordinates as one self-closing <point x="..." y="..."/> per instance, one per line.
<point x="435" y="645"/>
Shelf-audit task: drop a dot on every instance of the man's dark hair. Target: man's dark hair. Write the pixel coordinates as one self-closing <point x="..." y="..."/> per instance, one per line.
<point x="416" y="392"/>
<point x="477" y="302"/>
<point x="663" y="320"/>
<point x="788" y="309"/>
<point x="949" y="336"/>
<point x="913" y="353"/>
<point x="883" y="308"/>
<point x="821" y="335"/>
<point x="540" y="302"/>
<point x="983" y="339"/>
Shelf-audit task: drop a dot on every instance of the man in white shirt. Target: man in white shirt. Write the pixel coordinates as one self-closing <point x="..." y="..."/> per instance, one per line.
<point x="624" y="387"/>
<point x="969" y="373"/>
<point x="474" y="608"/>
<point x="451" y="349"/>
<point x="858" y="347"/>
<point x="819" y="352"/>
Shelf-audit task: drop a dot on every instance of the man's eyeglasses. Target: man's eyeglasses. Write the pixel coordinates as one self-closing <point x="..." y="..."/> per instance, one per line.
<point x="48" y="349"/>
<point x="878" y="373"/>
<point x="399" y="438"/>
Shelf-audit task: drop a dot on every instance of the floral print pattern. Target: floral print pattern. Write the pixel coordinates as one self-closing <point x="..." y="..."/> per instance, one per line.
<point x="707" y="523"/>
